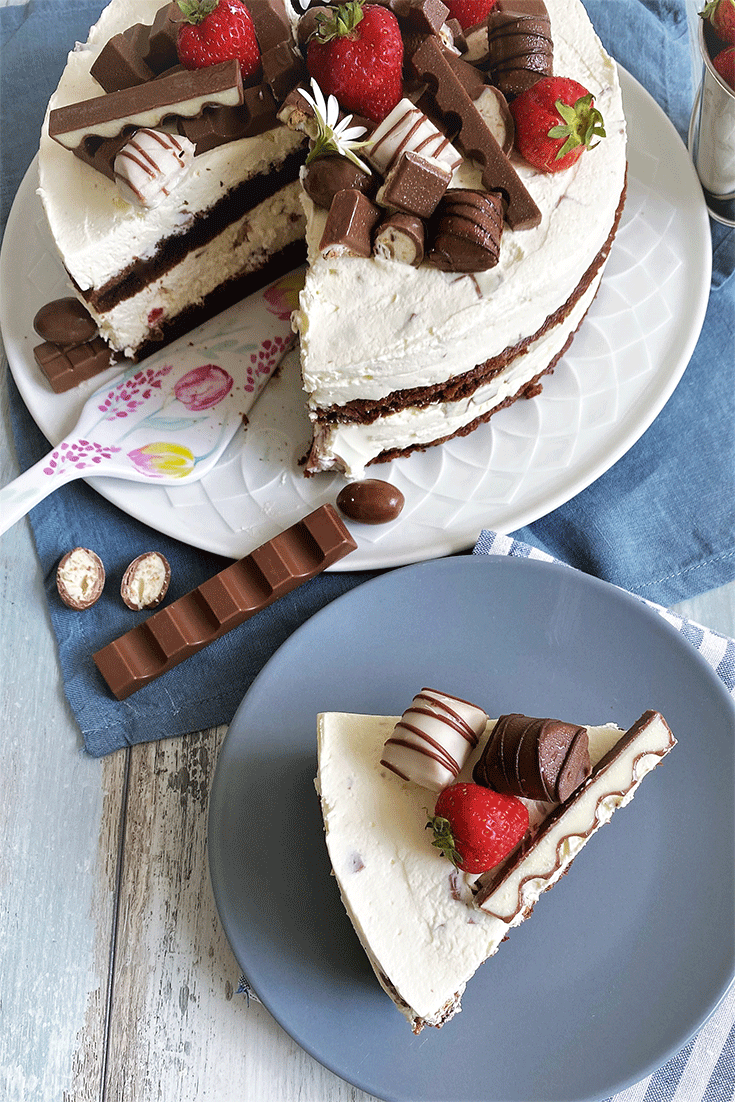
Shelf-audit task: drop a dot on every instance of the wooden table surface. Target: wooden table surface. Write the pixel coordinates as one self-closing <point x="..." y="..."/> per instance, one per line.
<point x="116" y="979"/>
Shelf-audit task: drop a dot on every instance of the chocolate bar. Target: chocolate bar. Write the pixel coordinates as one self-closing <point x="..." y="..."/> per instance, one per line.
<point x="120" y="63"/>
<point x="349" y="225"/>
<point x="67" y="367"/>
<point x="224" y="602"/>
<point x="539" y="759"/>
<point x="474" y="138"/>
<point x="468" y="228"/>
<point x="271" y="23"/>
<point x="183" y="94"/>
<point x="520" y="47"/>
<point x="414" y="185"/>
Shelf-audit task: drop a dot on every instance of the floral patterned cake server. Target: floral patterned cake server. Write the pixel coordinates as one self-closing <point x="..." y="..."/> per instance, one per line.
<point x="170" y="418"/>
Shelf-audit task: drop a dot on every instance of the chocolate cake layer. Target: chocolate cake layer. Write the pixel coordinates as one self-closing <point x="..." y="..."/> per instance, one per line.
<point x="224" y="296"/>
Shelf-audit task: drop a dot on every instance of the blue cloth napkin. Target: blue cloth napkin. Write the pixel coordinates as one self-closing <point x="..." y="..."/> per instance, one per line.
<point x="659" y="523"/>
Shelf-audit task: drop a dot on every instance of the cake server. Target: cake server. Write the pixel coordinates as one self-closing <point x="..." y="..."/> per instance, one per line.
<point x="168" y="419"/>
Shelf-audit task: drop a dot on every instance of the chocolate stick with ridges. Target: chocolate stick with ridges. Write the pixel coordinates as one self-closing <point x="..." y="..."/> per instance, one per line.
<point x="224" y="602"/>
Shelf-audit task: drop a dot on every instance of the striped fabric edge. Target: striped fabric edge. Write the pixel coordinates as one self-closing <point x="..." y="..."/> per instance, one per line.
<point x="717" y="649"/>
<point x="704" y="1070"/>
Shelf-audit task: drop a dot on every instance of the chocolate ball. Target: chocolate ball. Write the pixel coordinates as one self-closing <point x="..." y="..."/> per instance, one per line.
<point x="65" y="322"/>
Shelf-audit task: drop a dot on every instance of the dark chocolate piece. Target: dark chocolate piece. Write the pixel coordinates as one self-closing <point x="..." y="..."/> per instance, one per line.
<point x="182" y="93"/>
<point x="473" y="137"/>
<point x="65" y="368"/>
<point x="520" y="48"/>
<point x="370" y="501"/>
<point x="467" y="230"/>
<point x="400" y="237"/>
<point x="161" y="52"/>
<point x="119" y="63"/>
<point x="80" y="578"/>
<point x="224" y="602"/>
<point x="271" y="23"/>
<point x="283" y="68"/>
<point x="100" y="153"/>
<point x="65" y="322"/>
<point x="325" y="176"/>
<point x="427" y="16"/>
<point x="349" y="226"/>
<point x="218" y="125"/>
<point x="414" y="185"/>
<point x="538" y="759"/>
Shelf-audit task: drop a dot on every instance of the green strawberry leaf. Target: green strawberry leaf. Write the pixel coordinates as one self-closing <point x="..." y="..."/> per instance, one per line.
<point x="339" y="22"/>
<point x="444" y="840"/>
<point x="581" y="123"/>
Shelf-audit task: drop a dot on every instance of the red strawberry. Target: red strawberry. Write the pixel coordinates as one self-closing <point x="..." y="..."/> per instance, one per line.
<point x="475" y="827"/>
<point x="556" y="120"/>
<point x="356" y="54"/>
<point x="217" y="30"/>
<point x="721" y="16"/>
<point x="724" y="63"/>
<point x="469" y="12"/>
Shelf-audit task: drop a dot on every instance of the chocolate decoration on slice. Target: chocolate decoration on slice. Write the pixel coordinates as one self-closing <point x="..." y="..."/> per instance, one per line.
<point x="520" y="46"/>
<point x="349" y="226"/>
<point x="467" y="229"/>
<point x="400" y="237"/>
<point x="271" y="23"/>
<point x="120" y="64"/>
<point x="325" y="176"/>
<point x="370" y="501"/>
<point x="65" y="322"/>
<point x="538" y="759"/>
<point x="414" y="185"/>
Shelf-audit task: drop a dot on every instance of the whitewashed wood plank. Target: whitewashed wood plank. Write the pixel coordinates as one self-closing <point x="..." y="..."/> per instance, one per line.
<point x="59" y="836"/>
<point x="179" y="1029"/>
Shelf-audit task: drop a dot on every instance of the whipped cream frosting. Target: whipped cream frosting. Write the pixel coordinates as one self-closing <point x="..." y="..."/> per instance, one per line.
<point x="369" y="327"/>
<point x="414" y="913"/>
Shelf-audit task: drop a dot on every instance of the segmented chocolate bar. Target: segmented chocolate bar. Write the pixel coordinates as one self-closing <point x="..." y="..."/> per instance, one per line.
<point x="224" y="601"/>
<point x="183" y="94"/>
<point x="474" y="138"/>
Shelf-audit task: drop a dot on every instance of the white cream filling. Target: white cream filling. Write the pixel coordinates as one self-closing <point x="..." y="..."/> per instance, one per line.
<point x="413" y="912"/>
<point x="350" y="447"/>
<point x="242" y="247"/>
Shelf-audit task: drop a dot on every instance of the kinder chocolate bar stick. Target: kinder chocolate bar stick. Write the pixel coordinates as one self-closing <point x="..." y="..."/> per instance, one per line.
<point x="224" y="602"/>
<point x="184" y="94"/>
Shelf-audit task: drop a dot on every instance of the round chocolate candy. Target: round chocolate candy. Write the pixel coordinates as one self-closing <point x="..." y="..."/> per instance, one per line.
<point x="80" y="578"/>
<point x="145" y="582"/>
<point x="370" y="501"/>
<point x="65" y="322"/>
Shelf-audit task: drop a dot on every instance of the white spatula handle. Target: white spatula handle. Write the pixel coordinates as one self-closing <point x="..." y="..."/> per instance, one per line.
<point x="19" y="497"/>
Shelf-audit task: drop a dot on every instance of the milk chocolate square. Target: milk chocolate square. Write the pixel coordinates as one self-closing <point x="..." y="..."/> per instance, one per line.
<point x="414" y="184"/>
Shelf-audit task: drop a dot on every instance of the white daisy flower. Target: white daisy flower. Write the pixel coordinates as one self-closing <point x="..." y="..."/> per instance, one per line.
<point x="333" y="136"/>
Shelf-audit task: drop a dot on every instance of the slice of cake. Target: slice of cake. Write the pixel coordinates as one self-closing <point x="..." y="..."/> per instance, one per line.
<point x="426" y="925"/>
<point x="446" y="274"/>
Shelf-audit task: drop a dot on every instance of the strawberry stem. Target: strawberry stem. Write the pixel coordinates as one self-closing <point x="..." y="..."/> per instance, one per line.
<point x="582" y="123"/>
<point x="444" y="839"/>
<point x="196" y="11"/>
<point x="340" y="22"/>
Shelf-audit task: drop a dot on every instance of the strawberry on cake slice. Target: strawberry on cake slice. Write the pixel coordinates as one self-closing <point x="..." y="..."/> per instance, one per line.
<point x="444" y="828"/>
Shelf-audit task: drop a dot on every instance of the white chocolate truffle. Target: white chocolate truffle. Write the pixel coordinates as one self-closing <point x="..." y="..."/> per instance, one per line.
<point x="433" y="739"/>
<point x="151" y="165"/>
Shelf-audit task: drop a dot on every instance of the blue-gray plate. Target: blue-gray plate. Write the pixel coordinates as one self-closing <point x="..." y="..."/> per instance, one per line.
<point x="628" y="955"/>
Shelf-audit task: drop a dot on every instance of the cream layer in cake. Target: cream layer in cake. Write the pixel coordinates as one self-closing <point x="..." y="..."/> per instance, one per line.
<point x="418" y="917"/>
<point x="99" y="236"/>
<point x="373" y="330"/>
